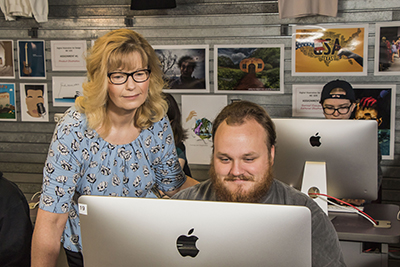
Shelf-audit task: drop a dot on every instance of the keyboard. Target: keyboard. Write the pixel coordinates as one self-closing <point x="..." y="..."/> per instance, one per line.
<point x="348" y="209"/>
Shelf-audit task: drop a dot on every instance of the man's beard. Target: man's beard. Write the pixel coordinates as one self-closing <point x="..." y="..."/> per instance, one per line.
<point x="254" y="195"/>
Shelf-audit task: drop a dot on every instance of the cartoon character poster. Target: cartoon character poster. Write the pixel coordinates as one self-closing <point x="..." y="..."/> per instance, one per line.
<point x="378" y="102"/>
<point x="31" y="59"/>
<point x="249" y="69"/>
<point x="34" y="102"/>
<point x="330" y="50"/>
<point x="7" y="102"/>
<point x="198" y="113"/>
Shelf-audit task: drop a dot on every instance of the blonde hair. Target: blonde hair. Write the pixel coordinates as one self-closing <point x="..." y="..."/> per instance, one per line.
<point x="110" y="52"/>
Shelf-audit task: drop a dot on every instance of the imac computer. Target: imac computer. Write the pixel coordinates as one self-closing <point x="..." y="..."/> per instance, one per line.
<point x="126" y="231"/>
<point x="338" y="157"/>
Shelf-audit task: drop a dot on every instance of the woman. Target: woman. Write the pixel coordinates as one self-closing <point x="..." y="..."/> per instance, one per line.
<point x="115" y="141"/>
<point x="180" y="134"/>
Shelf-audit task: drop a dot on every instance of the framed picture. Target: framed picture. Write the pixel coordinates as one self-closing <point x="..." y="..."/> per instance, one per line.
<point x="31" y="59"/>
<point x="68" y="55"/>
<point x="8" y="110"/>
<point x="66" y="89"/>
<point x="34" y="102"/>
<point x="387" y="48"/>
<point x="249" y="69"/>
<point x="185" y="68"/>
<point x="330" y="50"/>
<point x="7" y="59"/>
<point x="373" y="102"/>
<point x="198" y="112"/>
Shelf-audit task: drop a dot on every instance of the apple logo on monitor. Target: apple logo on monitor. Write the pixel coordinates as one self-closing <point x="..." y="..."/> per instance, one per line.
<point x="186" y="244"/>
<point x="315" y="140"/>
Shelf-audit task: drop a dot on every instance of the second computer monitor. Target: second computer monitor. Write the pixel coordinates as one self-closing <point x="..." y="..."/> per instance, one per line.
<point x="349" y="149"/>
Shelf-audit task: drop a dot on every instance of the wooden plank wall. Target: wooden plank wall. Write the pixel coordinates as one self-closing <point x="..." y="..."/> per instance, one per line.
<point x="23" y="145"/>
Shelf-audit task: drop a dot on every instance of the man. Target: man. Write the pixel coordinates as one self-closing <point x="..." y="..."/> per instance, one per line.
<point x="187" y="65"/>
<point x="15" y="226"/>
<point x="241" y="171"/>
<point x="338" y="101"/>
<point x="34" y="96"/>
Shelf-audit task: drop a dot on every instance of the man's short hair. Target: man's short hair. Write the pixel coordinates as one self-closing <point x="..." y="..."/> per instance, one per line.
<point x="192" y="62"/>
<point x="339" y="85"/>
<point x="238" y="112"/>
<point x="33" y="87"/>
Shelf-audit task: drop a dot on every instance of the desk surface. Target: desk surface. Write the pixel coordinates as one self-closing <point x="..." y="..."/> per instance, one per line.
<point x="353" y="227"/>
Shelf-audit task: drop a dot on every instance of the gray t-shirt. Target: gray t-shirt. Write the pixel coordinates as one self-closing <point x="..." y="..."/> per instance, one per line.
<point x="326" y="249"/>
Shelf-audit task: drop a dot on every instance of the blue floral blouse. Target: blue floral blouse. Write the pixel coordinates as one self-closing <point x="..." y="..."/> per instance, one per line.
<point x="80" y="162"/>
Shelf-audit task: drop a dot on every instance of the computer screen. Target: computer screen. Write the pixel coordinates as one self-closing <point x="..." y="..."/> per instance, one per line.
<point x="125" y="231"/>
<point x="347" y="148"/>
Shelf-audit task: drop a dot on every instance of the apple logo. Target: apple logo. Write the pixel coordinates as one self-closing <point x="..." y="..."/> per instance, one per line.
<point x="186" y="244"/>
<point x="315" y="140"/>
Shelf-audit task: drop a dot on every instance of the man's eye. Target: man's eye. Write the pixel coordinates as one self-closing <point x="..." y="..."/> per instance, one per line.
<point x="249" y="159"/>
<point x="224" y="159"/>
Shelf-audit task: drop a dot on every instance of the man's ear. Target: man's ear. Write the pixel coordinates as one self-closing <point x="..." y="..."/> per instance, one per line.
<point x="272" y="154"/>
<point x="352" y="107"/>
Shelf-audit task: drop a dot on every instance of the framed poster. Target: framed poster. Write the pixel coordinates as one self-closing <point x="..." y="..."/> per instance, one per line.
<point x="185" y="68"/>
<point x="249" y="69"/>
<point x="31" y="59"/>
<point x="305" y="100"/>
<point x="68" y="55"/>
<point x="8" y="110"/>
<point x="198" y="113"/>
<point x="376" y="102"/>
<point x="330" y="50"/>
<point x="66" y="89"/>
<point x="387" y="48"/>
<point x="7" y="59"/>
<point x="34" y="102"/>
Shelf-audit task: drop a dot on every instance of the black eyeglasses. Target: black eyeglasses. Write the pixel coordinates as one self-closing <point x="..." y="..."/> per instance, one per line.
<point x="340" y="110"/>
<point x="138" y="76"/>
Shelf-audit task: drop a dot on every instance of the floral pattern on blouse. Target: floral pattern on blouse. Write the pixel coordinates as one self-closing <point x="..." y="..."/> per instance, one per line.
<point x="80" y="162"/>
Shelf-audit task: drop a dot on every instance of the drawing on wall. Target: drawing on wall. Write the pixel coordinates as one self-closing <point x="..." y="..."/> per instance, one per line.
<point x="7" y="102"/>
<point x="31" y="59"/>
<point x="377" y="102"/>
<point x="34" y="102"/>
<point x="66" y="90"/>
<point x="7" y="59"/>
<point x="250" y="69"/>
<point x="198" y="113"/>
<point x="185" y="68"/>
<point x="387" y="48"/>
<point x="330" y="50"/>
<point x="68" y="55"/>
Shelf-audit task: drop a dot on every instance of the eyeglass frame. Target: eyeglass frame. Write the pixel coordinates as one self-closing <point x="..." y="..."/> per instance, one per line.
<point x="337" y="109"/>
<point x="128" y="75"/>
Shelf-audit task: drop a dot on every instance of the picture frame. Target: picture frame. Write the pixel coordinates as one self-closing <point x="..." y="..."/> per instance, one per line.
<point x="185" y="67"/>
<point x="68" y="55"/>
<point x="66" y="89"/>
<point x="330" y="50"/>
<point x="8" y="106"/>
<point x="387" y="62"/>
<point x="198" y="113"/>
<point x="249" y="69"/>
<point x="34" y="102"/>
<point x="31" y="59"/>
<point x="7" y="59"/>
